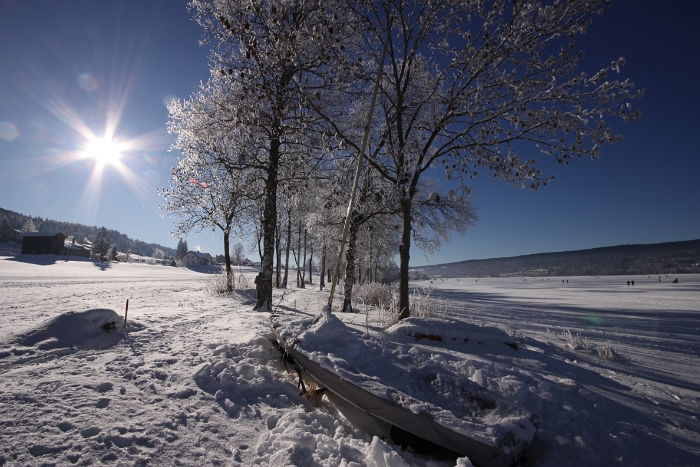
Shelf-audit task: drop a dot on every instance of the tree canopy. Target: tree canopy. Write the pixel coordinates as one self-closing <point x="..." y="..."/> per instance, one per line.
<point x="467" y="85"/>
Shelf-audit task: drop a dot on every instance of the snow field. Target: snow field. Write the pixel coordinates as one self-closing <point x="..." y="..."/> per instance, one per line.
<point x="194" y="381"/>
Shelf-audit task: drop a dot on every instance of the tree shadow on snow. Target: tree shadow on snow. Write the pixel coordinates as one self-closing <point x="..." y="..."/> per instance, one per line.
<point x="102" y="265"/>
<point x="206" y="269"/>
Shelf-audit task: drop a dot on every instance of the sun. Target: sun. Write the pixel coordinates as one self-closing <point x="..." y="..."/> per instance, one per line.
<point x="103" y="150"/>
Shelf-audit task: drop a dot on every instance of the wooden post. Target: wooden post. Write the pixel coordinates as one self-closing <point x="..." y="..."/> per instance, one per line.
<point x="126" y="312"/>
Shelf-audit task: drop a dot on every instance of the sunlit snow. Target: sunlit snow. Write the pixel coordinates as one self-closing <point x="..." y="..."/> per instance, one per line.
<point x="612" y="370"/>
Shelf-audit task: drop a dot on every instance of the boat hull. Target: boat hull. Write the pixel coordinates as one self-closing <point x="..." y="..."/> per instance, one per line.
<point x="419" y="424"/>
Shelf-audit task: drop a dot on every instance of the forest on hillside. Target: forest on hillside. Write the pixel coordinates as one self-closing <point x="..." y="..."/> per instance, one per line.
<point x="651" y="259"/>
<point x="81" y="232"/>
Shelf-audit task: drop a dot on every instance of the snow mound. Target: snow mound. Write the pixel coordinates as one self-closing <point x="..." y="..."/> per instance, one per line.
<point x="91" y="329"/>
<point x="447" y="330"/>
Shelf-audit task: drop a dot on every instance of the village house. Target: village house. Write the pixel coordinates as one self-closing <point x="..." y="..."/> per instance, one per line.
<point x="16" y="236"/>
<point x="55" y="243"/>
<point x="71" y="248"/>
<point x="42" y="243"/>
<point x="196" y="258"/>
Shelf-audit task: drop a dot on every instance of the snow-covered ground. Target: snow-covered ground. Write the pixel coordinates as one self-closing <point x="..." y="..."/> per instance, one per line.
<point x="195" y="380"/>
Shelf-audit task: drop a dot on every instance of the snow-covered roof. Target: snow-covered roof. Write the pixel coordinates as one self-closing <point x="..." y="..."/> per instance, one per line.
<point x="198" y="254"/>
<point x="75" y="246"/>
<point x="43" y="234"/>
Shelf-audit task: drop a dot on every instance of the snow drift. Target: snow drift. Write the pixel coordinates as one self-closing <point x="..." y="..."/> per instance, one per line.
<point x="87" y="330"/>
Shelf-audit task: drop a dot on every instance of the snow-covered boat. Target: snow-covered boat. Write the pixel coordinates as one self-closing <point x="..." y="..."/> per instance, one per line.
<point x="409" y="388"/>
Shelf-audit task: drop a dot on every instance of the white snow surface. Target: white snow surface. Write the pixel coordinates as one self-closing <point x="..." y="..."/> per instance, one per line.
<point x="612" y="370"/>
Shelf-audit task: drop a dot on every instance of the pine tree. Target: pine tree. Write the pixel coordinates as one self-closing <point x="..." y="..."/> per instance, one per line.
<point x="5" y="229"/>
<point x="182" y="248"/>
<point x="29" y="226"/>
<point x="101" y="244"/>
<point x="112" y="254"/>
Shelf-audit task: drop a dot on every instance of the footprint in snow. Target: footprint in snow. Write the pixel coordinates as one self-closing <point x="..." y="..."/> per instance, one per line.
<point x="102" y="402"/>
<point x="103" y="387"/>
<point x="90" y="432"/>
<point x="65" y="426"/>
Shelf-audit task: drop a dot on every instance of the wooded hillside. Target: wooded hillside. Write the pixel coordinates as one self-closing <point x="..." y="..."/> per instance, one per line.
<point x="80" y="232"/>
<point x="659" y="258"/>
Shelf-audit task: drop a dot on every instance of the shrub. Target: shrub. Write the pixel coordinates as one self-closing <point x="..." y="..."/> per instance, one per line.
<point x="216" y="284"/>
<point x="424" y="305"/>
<point x="386" y="300"/>
<point x="242" y="282"/>
<point x="373" y="293"/>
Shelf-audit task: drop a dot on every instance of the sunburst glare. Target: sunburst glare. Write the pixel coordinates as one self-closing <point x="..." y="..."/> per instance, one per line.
<point x="104" y="150"/>
<point x="74" y="143"/>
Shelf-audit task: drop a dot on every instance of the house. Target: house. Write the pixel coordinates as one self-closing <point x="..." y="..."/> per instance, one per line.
<point x="41" y="243"/>
<point x="195" y="258"/>
<point x="16" y="236"/>
<point x="70" y="248"/>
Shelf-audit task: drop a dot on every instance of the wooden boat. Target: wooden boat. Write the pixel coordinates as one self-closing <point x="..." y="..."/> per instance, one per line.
<point x="422" y="425"/>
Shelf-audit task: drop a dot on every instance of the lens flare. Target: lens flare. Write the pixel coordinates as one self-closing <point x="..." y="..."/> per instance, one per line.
<point x="87" y="82"/>
<point x="8" y="131"/>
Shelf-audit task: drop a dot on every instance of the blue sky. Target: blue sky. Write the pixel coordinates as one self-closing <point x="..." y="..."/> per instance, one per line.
<point x="69" y="68"/>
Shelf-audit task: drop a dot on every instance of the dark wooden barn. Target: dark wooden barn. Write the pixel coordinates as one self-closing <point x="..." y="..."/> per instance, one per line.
<point x="39" y="243"/>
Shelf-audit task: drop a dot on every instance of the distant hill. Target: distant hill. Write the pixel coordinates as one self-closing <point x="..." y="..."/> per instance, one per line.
<point x="80" y="231"/>
<point x="658" y="258"/>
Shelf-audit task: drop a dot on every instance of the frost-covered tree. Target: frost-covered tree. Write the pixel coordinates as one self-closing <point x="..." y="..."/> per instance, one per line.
<point x="101" y="244"/>
<point x="208" y="187"/>
<point x="266" y="53"/>
<point x="203" y="193"/>
<point x="479" y="84"/>
<point x="238" y="253"/>
<point x="5" y="229"/>
<point x="29" y="226"/>
<point x="113" y="253"/>
<point x="182" y="248"/>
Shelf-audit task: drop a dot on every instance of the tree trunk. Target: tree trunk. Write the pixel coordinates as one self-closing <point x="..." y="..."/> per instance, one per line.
<point x="259" y="236"/>
<point x="278" y="253"/>
<point x="303" y="264"/>
<point x="350" y="263"/>
<point x="376" y="270"/>
<point x="404" y="255"/>
<point x="311" y="263"/>
<point x="289" y="242"/>
<point x="269" y="221"/>
<point x="297" y="257"/>
<point x="371" y="256"/>
<point x="322" y="274"/>
<point x="227" y="257"/>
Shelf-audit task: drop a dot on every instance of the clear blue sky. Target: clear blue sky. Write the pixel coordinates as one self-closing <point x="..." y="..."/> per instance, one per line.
<point x="70" y="69"/>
